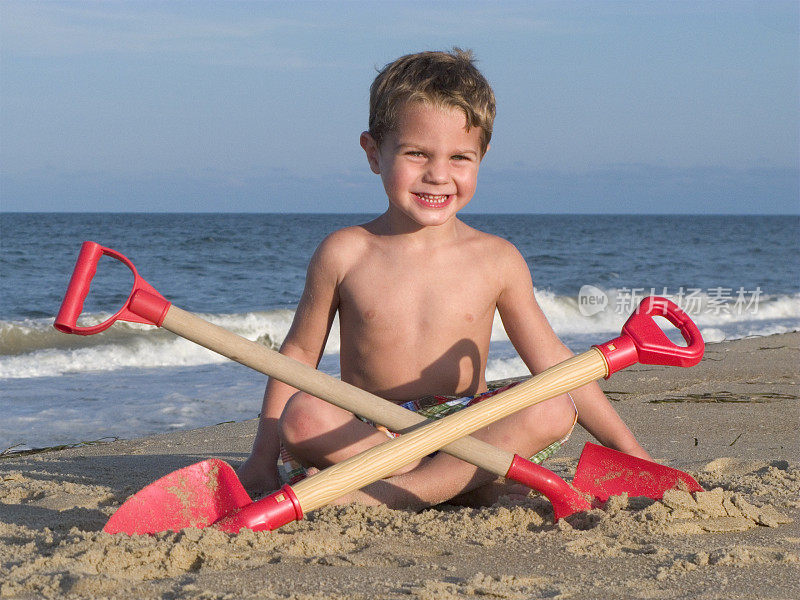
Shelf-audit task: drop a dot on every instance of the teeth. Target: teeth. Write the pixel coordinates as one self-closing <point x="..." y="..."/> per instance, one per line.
<point x="433" y="199"/>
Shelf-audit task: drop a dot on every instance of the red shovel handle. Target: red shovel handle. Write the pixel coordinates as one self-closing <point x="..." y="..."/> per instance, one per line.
<point x="152" y="313"/>
<point x="643" y="341"/>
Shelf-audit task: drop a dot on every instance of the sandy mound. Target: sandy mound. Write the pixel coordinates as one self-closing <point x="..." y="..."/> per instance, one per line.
<point x="51" y="543"/>
<point x="740" y="540"/>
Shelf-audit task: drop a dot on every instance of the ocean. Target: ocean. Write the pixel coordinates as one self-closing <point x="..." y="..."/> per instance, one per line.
<point x="737" y="276"/>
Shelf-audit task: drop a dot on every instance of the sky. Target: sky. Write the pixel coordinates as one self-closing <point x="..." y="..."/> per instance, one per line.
<point x="603" y="107"/>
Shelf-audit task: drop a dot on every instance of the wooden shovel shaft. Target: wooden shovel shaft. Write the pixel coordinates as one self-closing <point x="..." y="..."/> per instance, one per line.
<point x="380" y="461"/>
<point x="447" y="434"/>
<point x="330" y="389"/>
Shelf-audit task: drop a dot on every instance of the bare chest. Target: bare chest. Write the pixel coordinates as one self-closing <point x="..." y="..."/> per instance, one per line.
<point x="415" y="298"/>
<point x="400" y="319"/>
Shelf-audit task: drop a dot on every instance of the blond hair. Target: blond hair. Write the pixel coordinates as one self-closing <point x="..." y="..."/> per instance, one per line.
<point x="443" y="79"/>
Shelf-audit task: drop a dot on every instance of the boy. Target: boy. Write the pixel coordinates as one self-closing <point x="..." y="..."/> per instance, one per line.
<point x="416" y="291"/>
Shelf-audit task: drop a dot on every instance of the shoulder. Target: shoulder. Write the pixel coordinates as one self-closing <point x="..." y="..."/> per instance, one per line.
<point x="507" y="268"/>
<point x="342" y="239"/>
<point x="501" y="263"/>
<point x="340" y="249"/>
<point x="495" y="248"/>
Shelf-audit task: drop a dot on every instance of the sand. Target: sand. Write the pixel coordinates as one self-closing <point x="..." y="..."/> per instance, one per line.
<point x="731" y="422"/>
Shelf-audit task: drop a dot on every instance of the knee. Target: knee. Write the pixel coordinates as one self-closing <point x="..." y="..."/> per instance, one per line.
<point x="557" y="415"/>
<point x="303" y="418"/>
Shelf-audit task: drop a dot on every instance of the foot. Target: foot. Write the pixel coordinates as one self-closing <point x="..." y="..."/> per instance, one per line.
<point x="257" y="477"/>
<point x="490" y="493"/>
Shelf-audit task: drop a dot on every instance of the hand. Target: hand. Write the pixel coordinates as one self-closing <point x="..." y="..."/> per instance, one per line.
<point x="259" y="475"/>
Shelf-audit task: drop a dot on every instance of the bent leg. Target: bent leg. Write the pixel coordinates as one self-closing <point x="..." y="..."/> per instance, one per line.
<point x="319" y="434"/>
<point x="445" y="477"/>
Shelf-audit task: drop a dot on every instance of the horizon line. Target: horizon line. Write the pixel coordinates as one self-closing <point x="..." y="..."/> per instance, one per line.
<point x="332" y="213"/>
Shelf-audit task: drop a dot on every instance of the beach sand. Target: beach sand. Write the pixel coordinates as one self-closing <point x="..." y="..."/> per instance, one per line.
<point x="732" y="422"/>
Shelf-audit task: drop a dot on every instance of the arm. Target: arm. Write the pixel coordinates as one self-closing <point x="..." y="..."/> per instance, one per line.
<point x="305" y="342"/>
<point x="540" y="348"/>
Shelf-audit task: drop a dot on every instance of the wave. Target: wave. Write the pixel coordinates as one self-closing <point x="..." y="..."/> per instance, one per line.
<point x="33" y="348"/>
<point x="718" y="309"/>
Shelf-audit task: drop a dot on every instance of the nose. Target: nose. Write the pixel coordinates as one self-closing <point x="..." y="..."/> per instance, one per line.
<point x="436" y="172"/>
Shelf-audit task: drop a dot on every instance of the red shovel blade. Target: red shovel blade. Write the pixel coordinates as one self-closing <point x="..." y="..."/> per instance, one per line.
<point x="195" y="496"/>
<point x="603" y="472"/>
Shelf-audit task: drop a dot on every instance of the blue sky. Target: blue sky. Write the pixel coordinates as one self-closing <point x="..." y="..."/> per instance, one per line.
<point x="603" y="107"/>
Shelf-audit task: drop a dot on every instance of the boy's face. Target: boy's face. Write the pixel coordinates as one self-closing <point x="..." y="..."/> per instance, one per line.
<point x="428" y="164"/>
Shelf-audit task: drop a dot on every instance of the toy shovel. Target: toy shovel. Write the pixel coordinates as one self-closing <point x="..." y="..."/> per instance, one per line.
<point x="200" y="494"/>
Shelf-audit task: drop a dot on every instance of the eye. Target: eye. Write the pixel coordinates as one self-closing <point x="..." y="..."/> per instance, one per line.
<point x="460" y="157"/>
<point x="414" y="153"/>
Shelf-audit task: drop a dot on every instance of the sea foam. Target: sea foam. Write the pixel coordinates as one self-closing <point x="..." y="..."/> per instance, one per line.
<point x="33" y="348"/>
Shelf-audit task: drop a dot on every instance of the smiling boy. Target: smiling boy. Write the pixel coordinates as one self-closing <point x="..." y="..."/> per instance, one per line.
<point x="416" y="291"/>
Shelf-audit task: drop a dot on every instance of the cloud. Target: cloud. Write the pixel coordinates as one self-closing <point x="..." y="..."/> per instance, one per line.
<point x="240" y="33"/>
<point x="623" y="189"/>
<point x="48" y="30"/>
<point x="641" y="189"/>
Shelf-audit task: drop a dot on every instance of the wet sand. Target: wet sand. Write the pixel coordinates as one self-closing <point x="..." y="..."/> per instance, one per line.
<point x="732" y="422"/>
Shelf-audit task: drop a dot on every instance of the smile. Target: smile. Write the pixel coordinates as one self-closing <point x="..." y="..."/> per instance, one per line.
<point x="433" y="200"/>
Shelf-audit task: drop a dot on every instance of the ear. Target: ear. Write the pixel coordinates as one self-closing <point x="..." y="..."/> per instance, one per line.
<point x="370" y="146"/>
